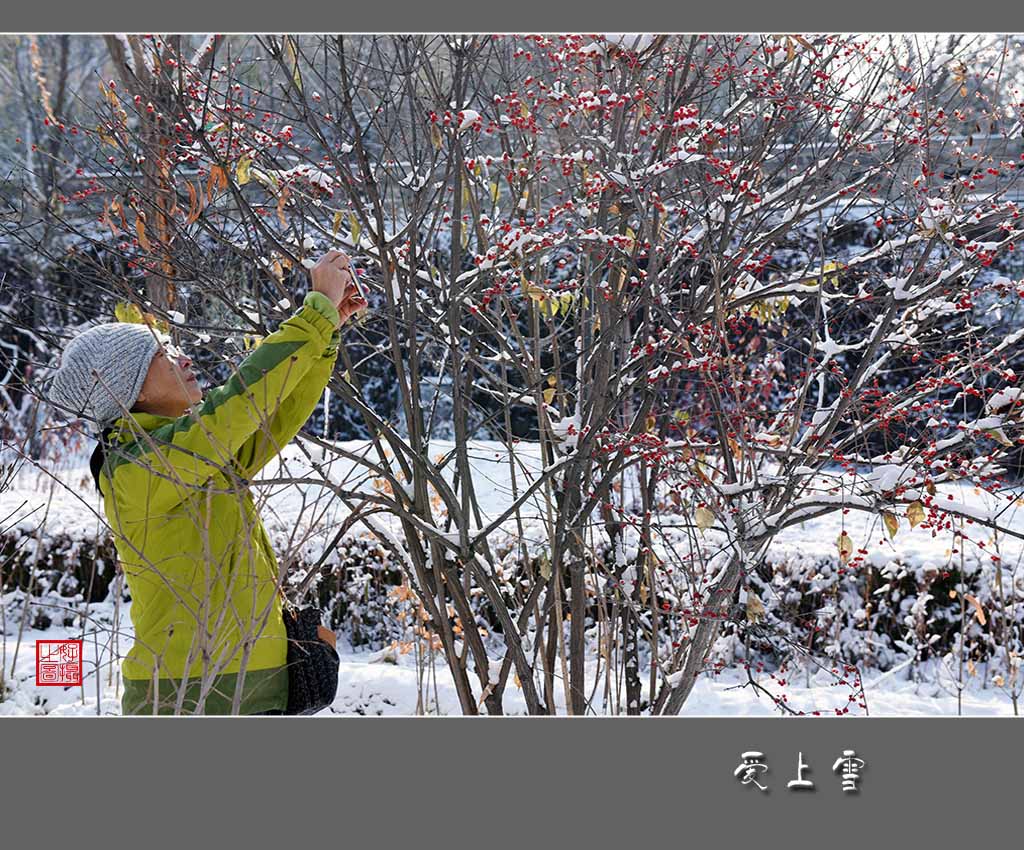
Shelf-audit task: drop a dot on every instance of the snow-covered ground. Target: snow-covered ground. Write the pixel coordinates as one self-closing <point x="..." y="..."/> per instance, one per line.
<point x="388" y="683"/>
<point x="385" y="683"/>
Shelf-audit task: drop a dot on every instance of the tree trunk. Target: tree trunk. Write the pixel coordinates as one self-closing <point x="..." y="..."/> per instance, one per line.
<point x="704" y="637"/>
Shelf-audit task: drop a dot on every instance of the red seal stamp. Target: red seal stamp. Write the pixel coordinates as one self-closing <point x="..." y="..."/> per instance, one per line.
<point x="59" y="662"/>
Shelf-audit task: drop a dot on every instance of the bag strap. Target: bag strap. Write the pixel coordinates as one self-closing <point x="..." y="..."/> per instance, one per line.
<point x="286" y="603"/>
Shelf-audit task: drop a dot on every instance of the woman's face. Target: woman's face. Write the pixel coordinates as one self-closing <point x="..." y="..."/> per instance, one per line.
<point x="171" y="387"/>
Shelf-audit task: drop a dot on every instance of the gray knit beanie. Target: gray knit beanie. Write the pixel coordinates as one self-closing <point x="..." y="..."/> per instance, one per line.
<point x="119" y="353"/>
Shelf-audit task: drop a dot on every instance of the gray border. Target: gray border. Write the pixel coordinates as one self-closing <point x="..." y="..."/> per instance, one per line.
<point x="529" y="782"/>
<point x="523" y="16"/>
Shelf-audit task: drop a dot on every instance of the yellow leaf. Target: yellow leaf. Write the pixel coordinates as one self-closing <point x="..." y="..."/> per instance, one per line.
<point x="281" y="201"/>
<point x="486" y="693"/>
<point x="194" y="205"/>
<point x="267" y="179"/>
<point x="915" y="513"/>
<point x="140" y="231"/>
<point x="620" y="279"/>
<point x="892" y="523"/>
<point x="242" y="171"/>
<point x="401" y="592"/>
<point x="105" y="137"/>
<point x="979" y="612"/>
<point x="494" y="192"/>
<point x="828" y="273"/>
<point x="549" y="395"/>
<point x="998" y="435"/>
<point x="704" y="518"/>
<point x="107" y="92"/>
<point x="734" y="447"/>
<point x="336" y="224"/>
<point x="125" y="311"/>
<point x="755" y="608"/>
<point x="354" y="228"/>
<point x="293" y="60"/>
<point x="160" y="324"/>
<point x="108" y="217"/>
<point x="845" y="545"/>
<point x="217" y="180"/>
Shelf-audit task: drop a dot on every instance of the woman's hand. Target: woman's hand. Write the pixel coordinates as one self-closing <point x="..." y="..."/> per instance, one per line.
<point x="332" y="275"/>
<point x="327" y="636"/>
<point x="352" y="302"/>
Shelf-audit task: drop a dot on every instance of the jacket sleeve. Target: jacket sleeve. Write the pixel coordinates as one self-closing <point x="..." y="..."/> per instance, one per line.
<point x="164" y="466"/>
<point x="298" y="406"/>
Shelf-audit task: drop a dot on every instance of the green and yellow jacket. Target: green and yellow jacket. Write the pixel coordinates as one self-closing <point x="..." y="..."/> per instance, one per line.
<point x="197" y="560"/>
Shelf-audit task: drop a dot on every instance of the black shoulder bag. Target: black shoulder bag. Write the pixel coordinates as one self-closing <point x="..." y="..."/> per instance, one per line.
<point x="312" y="662"/>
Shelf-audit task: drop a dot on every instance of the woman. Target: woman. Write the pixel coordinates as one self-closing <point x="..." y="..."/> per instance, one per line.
<point x="173" y="473"/>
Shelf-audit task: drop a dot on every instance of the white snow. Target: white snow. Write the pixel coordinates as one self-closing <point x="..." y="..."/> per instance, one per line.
<point x="635" y="42"/>
<point x="1002" y="398"/>
<point x="562" y="429"/>
<point x="469" y="118"/>
<point x="898" y="285"/>
<point x="316" y="176"/>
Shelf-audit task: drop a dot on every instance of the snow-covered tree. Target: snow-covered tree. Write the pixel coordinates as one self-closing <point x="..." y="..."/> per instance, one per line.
<point x="624" y="247"/>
